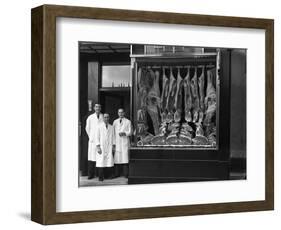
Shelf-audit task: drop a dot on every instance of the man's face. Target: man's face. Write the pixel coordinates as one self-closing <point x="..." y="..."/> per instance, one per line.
<point x="97" y="108"/>
<point x="121" y="113"/>
<point x="106" y="118"/>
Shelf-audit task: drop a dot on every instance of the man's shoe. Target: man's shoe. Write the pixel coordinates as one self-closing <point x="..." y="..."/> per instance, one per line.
<point x="91" y="177"/>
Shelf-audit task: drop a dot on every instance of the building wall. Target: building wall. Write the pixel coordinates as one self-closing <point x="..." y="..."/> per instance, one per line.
<point x="238" y="104"/>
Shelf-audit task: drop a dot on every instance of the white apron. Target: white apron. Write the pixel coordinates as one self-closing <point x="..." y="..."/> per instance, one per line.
<point x="92" y="124"/>
<point x="105" y="138"/>
<point x="121" y="155"/>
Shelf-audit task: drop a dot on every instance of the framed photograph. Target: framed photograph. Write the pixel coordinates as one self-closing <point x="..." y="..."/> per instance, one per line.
<point x="139" y="114"/>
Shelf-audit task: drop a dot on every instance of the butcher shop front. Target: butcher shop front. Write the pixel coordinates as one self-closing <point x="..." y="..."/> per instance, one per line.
<point x="186" y="105"/>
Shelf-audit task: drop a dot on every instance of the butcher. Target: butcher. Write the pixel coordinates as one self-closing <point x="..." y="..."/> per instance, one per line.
<point x="105" y="143"/>
<point x="123" y="130"/>
<point x="92" y="123"/>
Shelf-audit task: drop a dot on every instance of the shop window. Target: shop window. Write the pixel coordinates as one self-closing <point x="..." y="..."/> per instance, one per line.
<point x="116" y="76"/>
<point x="177" y="104"/>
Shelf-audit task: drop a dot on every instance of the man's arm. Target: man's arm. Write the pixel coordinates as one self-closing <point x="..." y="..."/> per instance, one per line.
<point x="128" y="131"/>
<point x="98" y="141"/>
<point x="113" y="140"/>
<point x="114" y="135"/>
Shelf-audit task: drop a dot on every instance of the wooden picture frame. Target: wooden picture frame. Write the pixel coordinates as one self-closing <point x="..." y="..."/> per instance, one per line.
<point x="43" y="208"/>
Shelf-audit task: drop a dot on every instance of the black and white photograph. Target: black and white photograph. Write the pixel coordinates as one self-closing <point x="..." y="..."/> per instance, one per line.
<point x="147" y="114"/>
<point x="161" y="113"/>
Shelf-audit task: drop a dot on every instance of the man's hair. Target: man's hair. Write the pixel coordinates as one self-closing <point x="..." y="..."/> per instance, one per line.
<point x="97" y="104"/>
<point x="106" y="114"/>
<point x="121" y="109"/>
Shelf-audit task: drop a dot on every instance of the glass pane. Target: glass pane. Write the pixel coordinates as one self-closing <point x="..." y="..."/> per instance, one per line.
<point x="116" y="76"/>
<point x="177" y="106"/>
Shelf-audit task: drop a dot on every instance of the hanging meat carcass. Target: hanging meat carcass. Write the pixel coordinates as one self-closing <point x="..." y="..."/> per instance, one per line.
<point x="154" y="92"/>
<point x="210" y="99"/>
<point x="171" y="97"/>
<point x="211" y="91"/>
<point x="177" y="115"/>
<point x="156" y="85"/>
<point x="201" y="84"/>
<point x="187" y="96"/>
<point x="142" y="88"/>
<point x="141" y="118"/>
<point x="195" y="95"/>
<point x="164" y="96"/>
<point x="153" y="101"/>
<point x="142" y="94"/>
<point x="178" y="98"/>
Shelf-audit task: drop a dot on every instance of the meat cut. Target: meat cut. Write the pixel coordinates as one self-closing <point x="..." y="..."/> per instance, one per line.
<point x="153" y="102"/>
<point x="210" y="91"/>
<point x="178" y="97"/>
<point x="201" y="84"/>
<point x="200" y="139"/>
<point x="195" y="96"/>
<point x="210" y="99"/>
<point x="155" y="86"/>
<point x="164" y="96"/>
<point x="142" y="88"/>
<point x="185" y="134"/>
<point x="170" y="106"/>
<point x="187" y="96"/>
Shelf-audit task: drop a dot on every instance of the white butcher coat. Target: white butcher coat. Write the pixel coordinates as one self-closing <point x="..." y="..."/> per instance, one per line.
<point x="121" y="155"/>
<point x="105" y="138"/>
<point x="92" y="124"/>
